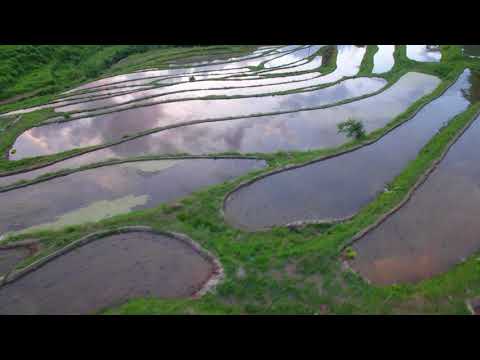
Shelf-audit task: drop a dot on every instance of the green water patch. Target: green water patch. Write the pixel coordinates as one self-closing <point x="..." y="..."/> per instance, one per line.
<point x="111" y="190"/>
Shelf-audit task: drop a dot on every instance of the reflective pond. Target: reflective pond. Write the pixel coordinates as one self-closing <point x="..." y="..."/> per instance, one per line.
<point x="436" y="229"/>
<point x="111" y="190"/>
<point x="97" y="130"/>
<point x="424" y="53"/>
<point x="383" y="60"/>
<point x="340" y="186"/>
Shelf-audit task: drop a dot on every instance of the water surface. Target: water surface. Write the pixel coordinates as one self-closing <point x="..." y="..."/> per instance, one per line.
<point x="53" y="138"/>
<point x="340" y="186"/>
<point x="108" y="272"/>
<point x="436" y="229"/>
<point x="424" y="53"/>
<point x="111" y="190"/>
<point x="383" y="60"/>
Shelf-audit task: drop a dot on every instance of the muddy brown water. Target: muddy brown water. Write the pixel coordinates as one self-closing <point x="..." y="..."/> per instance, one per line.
<point x="95" y="194"/>
<point x="436" y="229"/>
<point x="108" y="272"/>
<point x="340" y="186"/>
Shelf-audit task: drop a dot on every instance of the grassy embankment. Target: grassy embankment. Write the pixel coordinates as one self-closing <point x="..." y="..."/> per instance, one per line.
<point x="297" y="270"/>
<point x="32" y="74"/>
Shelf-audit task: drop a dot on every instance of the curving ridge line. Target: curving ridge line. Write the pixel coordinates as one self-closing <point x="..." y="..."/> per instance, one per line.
<point x="15" y="278"/>
<point x="287" y="168"/>
<point x="192" y="122"/>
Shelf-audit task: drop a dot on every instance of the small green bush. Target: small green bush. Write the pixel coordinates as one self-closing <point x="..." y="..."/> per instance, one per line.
<point x="350" y="254"/>
<point x="352" y="128"/>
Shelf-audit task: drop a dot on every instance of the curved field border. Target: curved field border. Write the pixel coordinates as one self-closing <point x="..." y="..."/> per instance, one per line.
<point x="182" y="53"/>
<point x="169" y="68"/>
<point x="57" y="119"/>
<point x="206" y="50"/>
<point x="86" y="99"/>
<point x="228" y="77"/>
<point x="49" y="176"/>
<point x="185" y="54"/>
<point x="155" y="85"/>
<point x="417" y="184"/>
<point x="81" y="151"/>
<point x="115" y="108"/>
<point x="374" y="138"/>
<point x="216" y="277"/>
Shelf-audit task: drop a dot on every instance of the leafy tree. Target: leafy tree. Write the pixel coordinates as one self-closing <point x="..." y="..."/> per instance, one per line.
<point x="352" y="128"/>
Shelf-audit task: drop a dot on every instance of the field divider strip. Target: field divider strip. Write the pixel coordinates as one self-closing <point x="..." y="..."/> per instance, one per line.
<point x="423" y="178"/>
<point x="327" y="157"/>
<point x="41" y="178"/>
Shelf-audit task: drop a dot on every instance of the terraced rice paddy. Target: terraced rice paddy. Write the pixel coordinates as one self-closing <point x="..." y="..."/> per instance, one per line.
<point x="112" y="190"/>
<point x="109" y="270"/>
<point x="240" y="150"/>
<point x="436" y="229"/>
<point x="336" y="188"/>
<point x="424" y="53"/>
<point x="384" y="59"/>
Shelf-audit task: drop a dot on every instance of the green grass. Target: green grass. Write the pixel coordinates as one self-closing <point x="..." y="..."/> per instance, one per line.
<point x="367" y="64"/>
<point x="317" y="284"/>
<point x="48" y="69"/>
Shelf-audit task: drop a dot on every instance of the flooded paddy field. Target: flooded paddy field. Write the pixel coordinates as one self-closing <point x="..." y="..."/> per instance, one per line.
<point x="112" y="190"/>
<point x="340" y="186"/>
<point x="108" y="271"/>
<point x="436" y="229"/>
<point x="243" y="146"/>
<point x="383" y="60"/>
<point x="97" y="130"/>
<point x="424" y="53"/>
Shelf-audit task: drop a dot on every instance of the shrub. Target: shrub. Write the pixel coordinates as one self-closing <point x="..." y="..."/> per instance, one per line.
<point x="352" y="128"/>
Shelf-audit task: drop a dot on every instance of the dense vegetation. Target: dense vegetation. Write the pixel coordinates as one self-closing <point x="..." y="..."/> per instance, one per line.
<point x="45" y="69"/>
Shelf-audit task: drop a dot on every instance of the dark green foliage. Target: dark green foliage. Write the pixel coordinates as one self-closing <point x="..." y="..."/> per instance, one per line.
<point x="27" y="68"/>
<point x="352" y="129"/>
